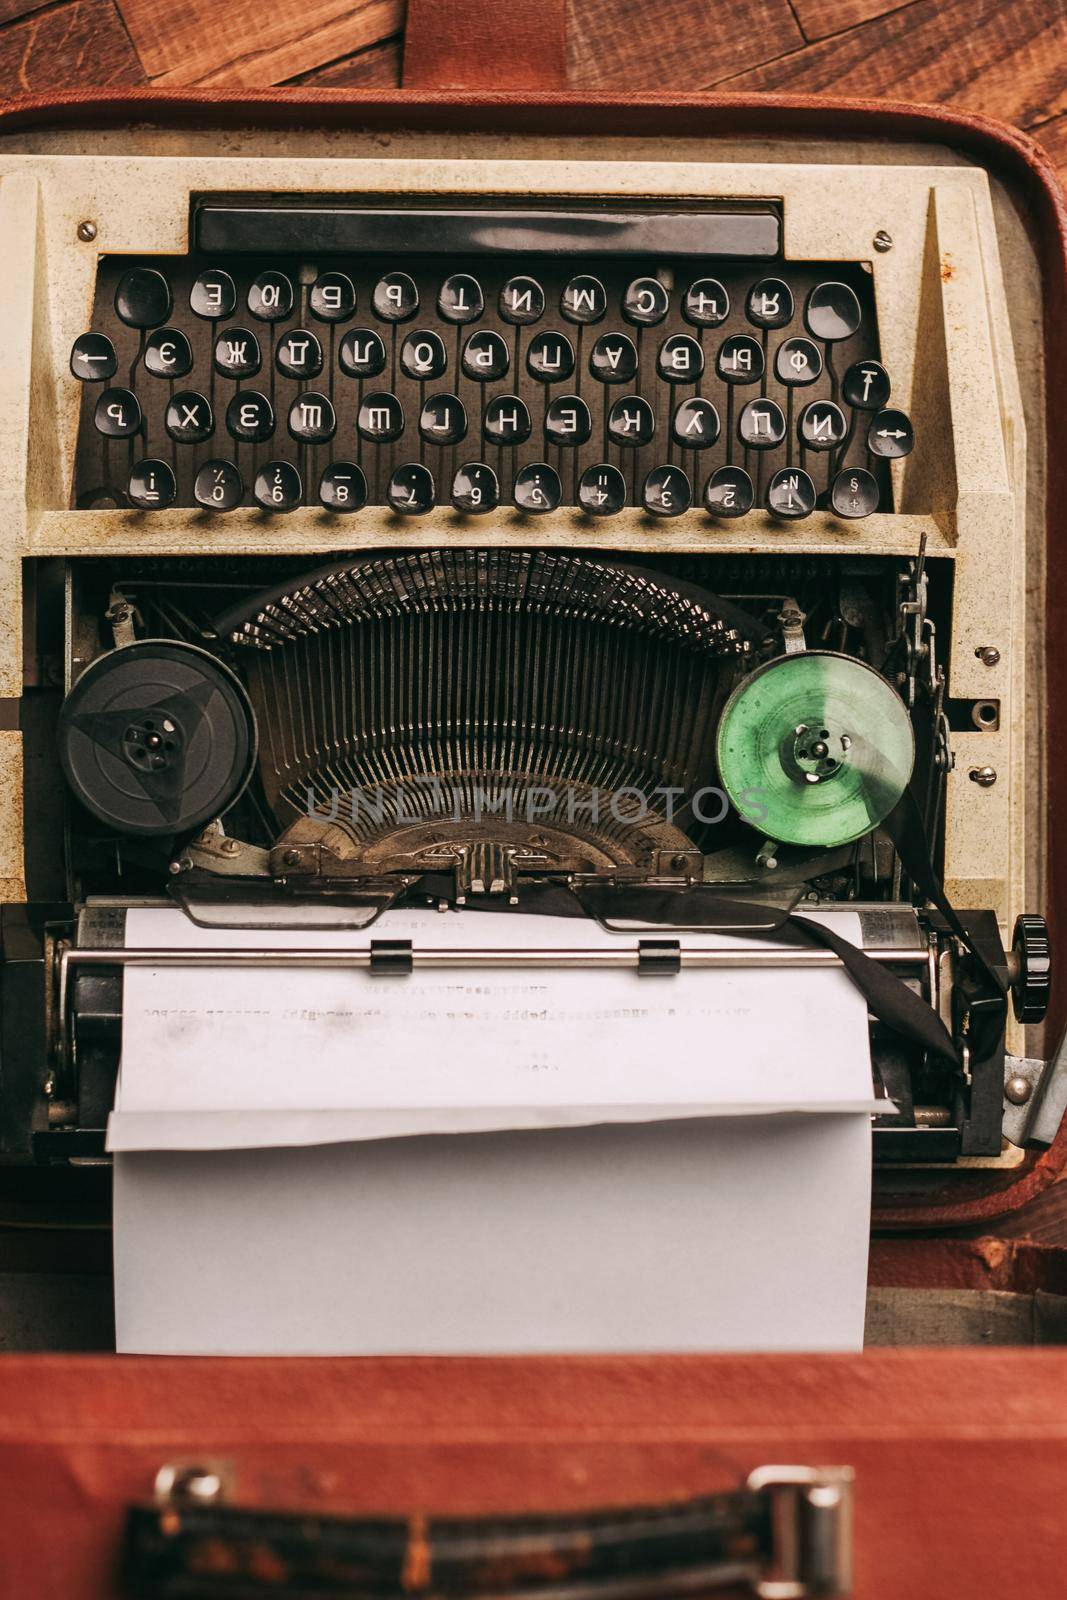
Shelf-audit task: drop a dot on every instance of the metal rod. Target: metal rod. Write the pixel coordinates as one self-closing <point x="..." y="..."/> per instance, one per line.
<point x="801" y="957"/>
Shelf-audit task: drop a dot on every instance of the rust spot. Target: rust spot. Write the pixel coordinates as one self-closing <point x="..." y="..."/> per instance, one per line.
<point x="992" y="1252"/>
<point x="510" y="1570"/>
<point x="948" y="271"/>
<point x="417" y="1558"/>
<point x="212" y="1556"/>
<point x="266" y="1565"/>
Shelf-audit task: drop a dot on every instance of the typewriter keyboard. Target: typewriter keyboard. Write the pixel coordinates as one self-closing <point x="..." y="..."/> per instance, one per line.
<point x="478" y="382"/>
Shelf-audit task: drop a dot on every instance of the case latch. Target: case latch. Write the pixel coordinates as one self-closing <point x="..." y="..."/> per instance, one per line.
<point x="811" y="1531"/>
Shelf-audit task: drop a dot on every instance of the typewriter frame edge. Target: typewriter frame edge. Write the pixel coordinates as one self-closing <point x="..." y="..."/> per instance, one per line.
<point x="1011" y="155"/>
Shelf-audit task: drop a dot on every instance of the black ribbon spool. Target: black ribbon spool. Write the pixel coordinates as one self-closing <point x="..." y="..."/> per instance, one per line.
<point x="157" y="738"/>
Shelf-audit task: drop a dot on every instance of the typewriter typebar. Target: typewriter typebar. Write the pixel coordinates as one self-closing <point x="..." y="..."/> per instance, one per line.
<point x="583" y="526"/>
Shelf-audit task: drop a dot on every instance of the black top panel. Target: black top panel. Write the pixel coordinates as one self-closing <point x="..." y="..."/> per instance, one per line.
<point x="325" y="229"/>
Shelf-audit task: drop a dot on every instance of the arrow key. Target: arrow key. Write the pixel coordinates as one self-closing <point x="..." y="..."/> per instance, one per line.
<point x="890" y="434"/>
<point x="93" y="358"/>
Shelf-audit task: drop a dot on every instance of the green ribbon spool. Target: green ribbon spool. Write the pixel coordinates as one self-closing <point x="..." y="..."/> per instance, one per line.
<point x="815" y="748"/>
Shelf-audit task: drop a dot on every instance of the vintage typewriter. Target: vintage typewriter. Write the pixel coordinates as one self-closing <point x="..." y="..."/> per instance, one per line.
<point x="471" y="522"/>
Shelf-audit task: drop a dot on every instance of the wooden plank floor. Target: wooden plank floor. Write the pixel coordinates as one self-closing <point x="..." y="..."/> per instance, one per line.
<point x="1006" y="59"/>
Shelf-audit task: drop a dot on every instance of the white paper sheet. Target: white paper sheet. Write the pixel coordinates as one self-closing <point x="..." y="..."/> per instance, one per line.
<point x="211" y="1057"/>
<point x="675" y="1164"/>
<point x="747" y="1234"/>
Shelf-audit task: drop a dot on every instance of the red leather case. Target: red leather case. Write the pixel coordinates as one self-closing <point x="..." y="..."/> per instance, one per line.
<point x="961" y="1455"/>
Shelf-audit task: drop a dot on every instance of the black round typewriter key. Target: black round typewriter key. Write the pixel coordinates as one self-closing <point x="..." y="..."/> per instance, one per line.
<point x="695" y="424"/>
<point x="550" y="358"/>
<point x="312" y="419"/>
<point x="631" y="420"/>
<point x="506" y="420"/>
<point x="769" y="303"/>
<point x="613" y="359"/>
<point x="395" y="298"/>
<point x="189" y="417"/>
<point x="380" y="418"/>
<point x="667" y="492"/>
<point x="822" y="426"/>
<point x="151" y="486"/>
<point x="475" y="489"/>
<point x="522" y="300"/>
<point x="854" y="493"/>
<point x="740" y="359"/>
<point x="584" y="299"/>
<point x="362" y="353"/>
<point x="332" y="297"/>
<point x="890" y="434"/>
<point x="237" y="353"/>
<point x="270" y="297"/>
<point x="645" y="302"/>
<point x="118" y="414"/>
<point x="250" y="417"/>
<point x="422" y="355"/>
<point x="680" y="359"/>
<point x="486" y="357"/>
<point x="411" y="490"/>
<point x="761" y="425"/>
<point x="832" y="312"/>
<point x="706" y="303"/>
<point x="218" y="486"/>
<point x="299" y="354"/>
<point x="866" y="386"/>
<point x="729" y="493"/>
<point x="602" y="490"/>
<point x="443" y="419"/>
<point x="343" y="488"/>
<point x="567" y="421"/>
<point x="460" y="298"/>
<point x="213" y="296"/>
<point x="143" y="298"/>
<point x="92" y="358"/>
<point x="537" y="488"/>
<point x="797" y="362"/>
<point x="278" y="487"/>
<point x="168" y="354"/>
<point x="791" y="493"/>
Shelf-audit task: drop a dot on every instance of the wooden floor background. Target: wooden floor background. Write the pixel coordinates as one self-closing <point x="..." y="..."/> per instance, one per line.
<point x="1007" y="58"/>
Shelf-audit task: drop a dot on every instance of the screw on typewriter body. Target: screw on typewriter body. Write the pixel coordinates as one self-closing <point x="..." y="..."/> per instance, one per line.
<point x="87" y="232"/>
<point x="882" y="241"/>
<point x="985" y="777"/>
<point x="988" y="654"/>
<point x="1018" y="1090"/>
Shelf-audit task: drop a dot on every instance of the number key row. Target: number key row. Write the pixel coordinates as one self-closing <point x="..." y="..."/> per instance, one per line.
<point x="602" y="491"/>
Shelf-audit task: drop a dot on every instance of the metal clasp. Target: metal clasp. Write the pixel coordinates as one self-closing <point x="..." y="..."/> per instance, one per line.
<point x="198" y="1482"/>
<point x="811" y="1526"/>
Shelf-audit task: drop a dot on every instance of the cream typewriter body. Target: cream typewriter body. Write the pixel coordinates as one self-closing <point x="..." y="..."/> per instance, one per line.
<point x="488" y="521"/>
